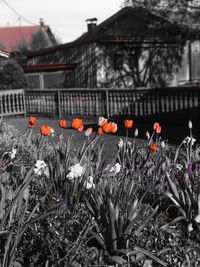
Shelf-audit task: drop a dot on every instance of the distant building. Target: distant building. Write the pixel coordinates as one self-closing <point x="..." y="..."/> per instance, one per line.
<point x="3" y="57"/>
<point x="132" y="48"/>
<point x="14" y="37"/>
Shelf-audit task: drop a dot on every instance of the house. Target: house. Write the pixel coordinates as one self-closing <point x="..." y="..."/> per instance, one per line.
<point x="14" y="38"/>
<point x="132" y="48"/>
<point x="4" y="56"/>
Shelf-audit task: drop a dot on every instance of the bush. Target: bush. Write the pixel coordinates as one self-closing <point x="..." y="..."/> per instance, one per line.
<point x="12" y="76"/>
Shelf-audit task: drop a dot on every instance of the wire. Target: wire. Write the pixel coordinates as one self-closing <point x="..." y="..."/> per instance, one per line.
<point x="19" y="15"/>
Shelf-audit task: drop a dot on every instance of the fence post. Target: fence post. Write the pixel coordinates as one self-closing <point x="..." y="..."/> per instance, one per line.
<point x="24" y="100"/>
<point x="1" y="105"/>
<point x="107" y="104"/>
<point x="59" y="104"/>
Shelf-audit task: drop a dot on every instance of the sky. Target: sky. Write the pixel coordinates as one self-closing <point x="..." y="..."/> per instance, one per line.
<point x="66" y="18"/>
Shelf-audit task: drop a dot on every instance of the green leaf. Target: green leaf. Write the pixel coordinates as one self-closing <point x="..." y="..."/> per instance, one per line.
<point x="173" y="187"/>
<point x="112" y="217"/>
<point x="172" y="198"/>
<point x="118" y="260"/>
<point x="150" y="255"/>
<point x="132" y="213"/>
<point x="98" y="238"/>
<point x="172" y="222"/>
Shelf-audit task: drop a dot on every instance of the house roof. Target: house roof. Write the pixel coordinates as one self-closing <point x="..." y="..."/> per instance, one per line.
<point x="4" y="54"/>
<point x="12" y="36"/>
<point x="167" y="34"/>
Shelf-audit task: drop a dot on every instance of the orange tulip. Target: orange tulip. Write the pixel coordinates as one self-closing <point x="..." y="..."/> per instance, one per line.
<point x="156" y="124"/>
<point x="102" y="121"/>
<point x="62" y="123"/>
<point x="45" y="130"/>
<point x="100" y="131"/>
<point x="128" y="123"/>
<point x="107" y="127"/>
<point x="32" y="121"/>
<point x="88" y="132"/>
<point x="113" y="127"/>
<point x="153" y="147"/>
<point x="158" y="129"/>
<point x="77" y="123"/>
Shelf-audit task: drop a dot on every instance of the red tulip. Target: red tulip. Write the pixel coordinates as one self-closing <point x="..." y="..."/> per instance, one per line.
<point x="32" y="121"/>
<point x="45" y="130"/>
<point x="62" y="123"/>
<point x="153" y="147"/>
<point x="77" y="123"/>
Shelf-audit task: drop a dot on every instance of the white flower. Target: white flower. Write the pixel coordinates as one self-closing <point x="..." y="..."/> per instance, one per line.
<point x="89" y="183"/>
<point x="116" y="168"/>
<point x="52" y="132"/>
<point x="197" y="218"/>
<point x="178" y="167"/>
<point x="188" y="139"/>
<point x="190" y="228"/>
<point x="120" y="143"/>
<point x="75" y="171"/>
<point x="13" y="153"/>
<point x="40" y="166"/>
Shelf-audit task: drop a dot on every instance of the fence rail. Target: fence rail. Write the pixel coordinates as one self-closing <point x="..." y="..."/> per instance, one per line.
<point x="95" y="102"/>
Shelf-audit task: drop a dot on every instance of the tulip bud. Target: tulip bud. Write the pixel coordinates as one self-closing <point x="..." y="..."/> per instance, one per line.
<point x="190" y="124"/>
<point x="88" y="132"/>
<point x="136" y="132"/>
<point x="147" y="135"/>
<point x="162" y="144"/>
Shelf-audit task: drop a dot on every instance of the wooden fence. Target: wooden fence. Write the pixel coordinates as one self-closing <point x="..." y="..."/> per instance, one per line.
<point x="96" y="102"/>
<point x="12" y="102"/>
<point x="110" y="102"/>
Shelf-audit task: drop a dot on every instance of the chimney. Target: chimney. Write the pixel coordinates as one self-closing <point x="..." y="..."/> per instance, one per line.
<point x="41" y="22"/>
<point x="91" y="24"/>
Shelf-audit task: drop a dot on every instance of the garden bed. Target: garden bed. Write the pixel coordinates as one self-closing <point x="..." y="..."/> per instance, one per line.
<point x="72" y="196"/>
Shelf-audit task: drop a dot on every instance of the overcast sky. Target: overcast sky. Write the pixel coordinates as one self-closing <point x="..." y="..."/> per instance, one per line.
<point x="65" y="17"/>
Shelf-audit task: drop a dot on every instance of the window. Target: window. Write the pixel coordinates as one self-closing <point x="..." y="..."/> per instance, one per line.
<point x="133" y="61"/>
<point x="118" y="61"/>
